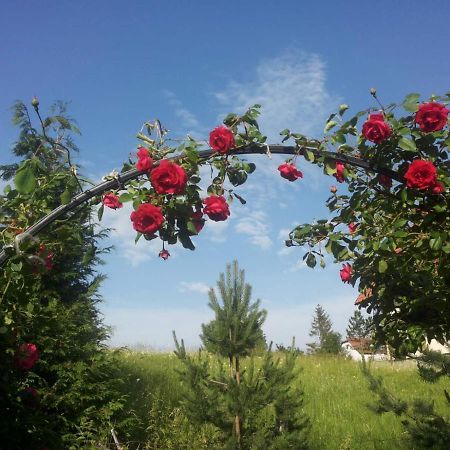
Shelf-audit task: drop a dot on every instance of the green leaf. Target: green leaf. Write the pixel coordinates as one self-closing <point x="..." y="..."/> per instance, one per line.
<point x="190" y="226"/>
<point x="241" y="199"/>
<point x="309" y="155"/>
<point x="404" y="195"/>
<point x="311" y="260"/>
<point x="382" y="266"/>
<point x="126" y="197"/>
<point x="185" y="240"/>
<point x="25" y="180"/>
<point x="249" y="167"/>
<point x="407" y="144"/>
<point x="343" y="108"/>
<point x="329" y="126"/>
<point x="436" y="243"/>
<point x="411" y="102"/>
<point x="100" y="212"/>
<point x="330" y="170"/>
<point x="65" y="197"/>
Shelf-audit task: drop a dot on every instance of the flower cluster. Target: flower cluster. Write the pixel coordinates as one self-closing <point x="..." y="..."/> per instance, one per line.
<point x="171" y="207"/>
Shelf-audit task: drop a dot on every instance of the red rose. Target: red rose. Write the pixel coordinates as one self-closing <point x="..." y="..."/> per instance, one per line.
<point x="438" y="188"/>
<point x="385" y="181"/>
<point x="216" y="208"/>
<point x="375" y="129"/>
<point x="421" y="174"/>
<point x="168" y="178"/>
<point x="431" y="116"/>
<point x="339" y="175"/>
<point x="346" y="273"/>
<point x="26" y="356"/>
<point x="198" y="220"/>
<point x="112" y="201"/>
<point x="221" y="139"/>
<point x="147" y="218"/>
<point x="290" y="172"/>
<point x="145" y="162"/>
<point x="164" y="254"/>
<point x="352" y="227"/>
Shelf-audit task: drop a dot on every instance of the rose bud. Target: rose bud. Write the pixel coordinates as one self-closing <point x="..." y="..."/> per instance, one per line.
<point x="164" y="254"/>
<point x="346" y="273"/>
<point x="339" y="175"/>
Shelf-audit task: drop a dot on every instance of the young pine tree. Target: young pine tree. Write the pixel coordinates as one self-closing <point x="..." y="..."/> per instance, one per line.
<point x="255" y="407"/>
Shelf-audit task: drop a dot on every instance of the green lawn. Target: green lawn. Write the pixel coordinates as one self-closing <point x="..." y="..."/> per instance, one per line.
<point x="336" y="398"/>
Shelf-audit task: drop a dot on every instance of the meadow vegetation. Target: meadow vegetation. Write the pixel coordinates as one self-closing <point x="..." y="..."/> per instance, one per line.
<point x="336" y="399"/>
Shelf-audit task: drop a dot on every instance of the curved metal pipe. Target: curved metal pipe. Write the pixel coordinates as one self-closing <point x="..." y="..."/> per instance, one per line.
<point x="133" y="174"/>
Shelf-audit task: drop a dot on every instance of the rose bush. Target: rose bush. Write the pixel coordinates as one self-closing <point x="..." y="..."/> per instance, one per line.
<point x="396" y="167"/>
<point x="399" y="253"/>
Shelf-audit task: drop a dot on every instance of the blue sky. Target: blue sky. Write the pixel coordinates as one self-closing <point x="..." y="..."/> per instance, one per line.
<point x="189" y="63"/>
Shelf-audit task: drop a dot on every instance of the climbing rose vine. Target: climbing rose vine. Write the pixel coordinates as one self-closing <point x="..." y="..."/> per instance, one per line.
<point x="389" y="219"/>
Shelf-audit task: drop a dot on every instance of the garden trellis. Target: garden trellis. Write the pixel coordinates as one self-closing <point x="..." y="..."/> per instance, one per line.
<point x="396" y="205"/>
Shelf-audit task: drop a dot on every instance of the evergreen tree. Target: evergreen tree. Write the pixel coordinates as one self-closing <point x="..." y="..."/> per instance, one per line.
<point x="425" y="427"/>
<point x="53" y="302"/>
<point x="259" y="407"/>
<point x="321" y="327"/>
<point x="359" y="327"/>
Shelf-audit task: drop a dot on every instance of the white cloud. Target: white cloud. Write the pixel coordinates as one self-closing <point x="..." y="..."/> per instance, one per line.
<point x="188" y="120"/>
<point x="291" y="89"/>
<point x="254" y="224"/>
<point x="217" y="230"/>
<point x="194" y="286"/>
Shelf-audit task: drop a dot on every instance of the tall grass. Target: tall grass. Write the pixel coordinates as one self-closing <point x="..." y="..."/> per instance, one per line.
<point x="336" y="398"/>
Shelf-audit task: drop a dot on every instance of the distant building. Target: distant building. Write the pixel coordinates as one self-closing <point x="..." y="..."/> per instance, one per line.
<point x="357" y="349"/>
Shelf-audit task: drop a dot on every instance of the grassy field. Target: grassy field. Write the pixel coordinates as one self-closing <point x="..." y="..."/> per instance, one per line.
<point x="335" y="392"/>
